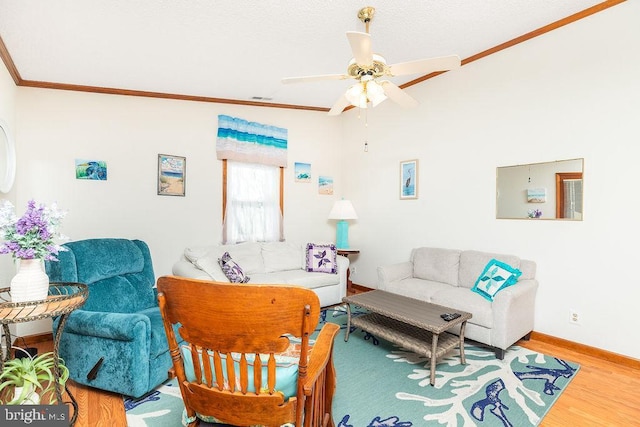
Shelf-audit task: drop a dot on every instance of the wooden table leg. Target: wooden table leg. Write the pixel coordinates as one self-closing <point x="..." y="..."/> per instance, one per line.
<point x="434" y="348"/>
<point x="462" y="358"/>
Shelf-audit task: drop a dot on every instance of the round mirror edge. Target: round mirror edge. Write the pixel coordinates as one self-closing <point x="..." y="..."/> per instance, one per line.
<point x="6" y="182"/>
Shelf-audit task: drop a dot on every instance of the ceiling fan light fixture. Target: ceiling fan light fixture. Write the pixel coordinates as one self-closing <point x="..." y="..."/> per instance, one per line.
<point x="375" y="92"/>
<point x="356" y="95"/>
<point x="365" y="91"/>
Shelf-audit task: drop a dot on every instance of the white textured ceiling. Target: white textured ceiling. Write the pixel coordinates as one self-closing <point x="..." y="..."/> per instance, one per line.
<point x="237" y="50"/>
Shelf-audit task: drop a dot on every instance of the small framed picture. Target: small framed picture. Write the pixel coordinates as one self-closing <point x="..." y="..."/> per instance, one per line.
<point x="172" y="171"/>
<point x="91" y="169"/>
<point x="536" y="195"/>
<point x="325" y="185"/>
<point x="409" y="179"/>
<point x="302" y="172"/>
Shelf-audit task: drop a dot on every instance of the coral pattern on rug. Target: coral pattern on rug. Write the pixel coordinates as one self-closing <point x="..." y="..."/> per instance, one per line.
<point x="383" y="385"/>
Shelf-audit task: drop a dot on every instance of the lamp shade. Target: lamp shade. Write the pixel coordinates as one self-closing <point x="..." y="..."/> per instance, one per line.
<point x="343" y="209"/>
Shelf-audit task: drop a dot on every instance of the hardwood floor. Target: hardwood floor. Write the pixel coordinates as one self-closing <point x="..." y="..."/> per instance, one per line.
<point x="603" y="392"/>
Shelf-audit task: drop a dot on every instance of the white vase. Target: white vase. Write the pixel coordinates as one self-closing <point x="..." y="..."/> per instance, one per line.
<point x="31" y="283"/>
<point x="32" y="398"/>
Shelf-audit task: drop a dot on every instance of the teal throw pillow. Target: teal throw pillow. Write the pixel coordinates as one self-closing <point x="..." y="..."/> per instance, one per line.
<point x="496" y="276"/>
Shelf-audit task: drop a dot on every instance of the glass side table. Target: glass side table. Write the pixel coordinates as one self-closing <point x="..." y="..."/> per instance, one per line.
<point x="63" y="298"/>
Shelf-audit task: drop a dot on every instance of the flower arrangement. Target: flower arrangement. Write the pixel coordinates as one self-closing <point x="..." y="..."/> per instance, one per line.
<point x="534" y="213"/>
<point x="33" y="235"/>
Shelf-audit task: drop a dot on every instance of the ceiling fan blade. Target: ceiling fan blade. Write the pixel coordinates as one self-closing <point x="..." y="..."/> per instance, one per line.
<point x="425" y="66"/>
<point x="319" y="77"/>
<point x="398" y="95"/>
<point x="361" y="47"/>
<point x="339" y="106"/>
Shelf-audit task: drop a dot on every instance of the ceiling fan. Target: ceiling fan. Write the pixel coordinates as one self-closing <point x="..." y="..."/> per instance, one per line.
<point x="369" y="69"/>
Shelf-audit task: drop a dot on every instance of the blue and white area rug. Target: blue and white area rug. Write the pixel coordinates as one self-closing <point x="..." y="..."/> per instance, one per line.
<point x="383" y="385"/>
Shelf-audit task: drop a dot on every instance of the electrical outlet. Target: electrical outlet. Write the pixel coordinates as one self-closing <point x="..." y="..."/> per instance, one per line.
<point x="574" y="317"/>
<point x="354" y="270"/>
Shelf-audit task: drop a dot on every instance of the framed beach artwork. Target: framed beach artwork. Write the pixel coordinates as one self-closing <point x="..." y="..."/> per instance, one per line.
<point x="325" y="185"/>
<point x="171" y="175"/>
<point x="409" y="179"/>
<point x="536" y="195"/>
<point x="302" y="172"/>
<point x="91" y="169"/>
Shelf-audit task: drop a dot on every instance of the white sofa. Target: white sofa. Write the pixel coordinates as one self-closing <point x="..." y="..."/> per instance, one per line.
<point x="266" y="263"/>
<point x="446" y="276"/>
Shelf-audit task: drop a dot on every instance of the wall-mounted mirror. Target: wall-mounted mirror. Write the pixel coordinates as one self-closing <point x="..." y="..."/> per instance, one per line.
<point x="7" y="159"/>
<point x="550" y="190"/>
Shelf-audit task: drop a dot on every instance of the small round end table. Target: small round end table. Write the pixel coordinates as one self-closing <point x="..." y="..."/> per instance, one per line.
<point x="63" y="299"/>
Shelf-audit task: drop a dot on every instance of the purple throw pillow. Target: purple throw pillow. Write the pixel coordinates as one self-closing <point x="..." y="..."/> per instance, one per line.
<point x="322" y="258"/>
<point x="232" y="270"/>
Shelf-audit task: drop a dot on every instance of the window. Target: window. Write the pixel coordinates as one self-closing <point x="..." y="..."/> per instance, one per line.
<point x="252" y="202"/>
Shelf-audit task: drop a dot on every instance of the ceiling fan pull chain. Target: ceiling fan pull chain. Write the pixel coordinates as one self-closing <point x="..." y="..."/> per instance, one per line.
<point x="366" y="130"/>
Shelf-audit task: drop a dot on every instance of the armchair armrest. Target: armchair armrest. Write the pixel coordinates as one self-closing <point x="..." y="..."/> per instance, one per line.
<point x="393" y="272"/>
<point x="514" y="312"/>
<point x="116" y="326"/>
<point x="321" y="358"/>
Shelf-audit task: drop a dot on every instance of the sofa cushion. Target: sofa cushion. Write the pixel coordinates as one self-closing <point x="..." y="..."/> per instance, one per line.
<point x="321" y="258"/>
<point x="435" y="264"/>
<point x="232" y="270"/>
<point x="248" y="255"/>
<point x="298" y="277"/>
<point x="459" y="298"/>
<point x="206" y="259"/>
<point x="279" y="256"/>
<point x="418" y="288"/>
<point x="472" y="263"/>
<point x="495" y="277"/>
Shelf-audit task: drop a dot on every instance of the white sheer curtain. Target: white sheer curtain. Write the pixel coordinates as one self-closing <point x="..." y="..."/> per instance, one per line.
<point x="572" y="198"/>
<point x="253" y="203"/>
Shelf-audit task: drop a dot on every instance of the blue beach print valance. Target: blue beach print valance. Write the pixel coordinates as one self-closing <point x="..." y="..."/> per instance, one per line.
<point x="251" y="142"/>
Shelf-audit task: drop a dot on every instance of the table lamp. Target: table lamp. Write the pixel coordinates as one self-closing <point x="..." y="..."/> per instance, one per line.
<point x="342" y="210"/>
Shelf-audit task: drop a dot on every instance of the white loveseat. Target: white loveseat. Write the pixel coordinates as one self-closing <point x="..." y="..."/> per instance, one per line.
<point x="446" y="276"/>
<point x="266" y="263"/>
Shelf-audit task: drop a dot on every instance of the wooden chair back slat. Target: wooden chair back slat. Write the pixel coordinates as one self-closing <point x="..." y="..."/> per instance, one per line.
<point x="195" y="359"/>
<point x="217" y="364"/>
<point x="206" y="362"/>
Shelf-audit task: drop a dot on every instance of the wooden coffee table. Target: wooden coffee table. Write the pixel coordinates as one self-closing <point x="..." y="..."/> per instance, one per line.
<point x="414" y="324"/>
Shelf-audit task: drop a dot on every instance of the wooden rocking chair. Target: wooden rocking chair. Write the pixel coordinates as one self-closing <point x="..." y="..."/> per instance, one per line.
<point x="235" y="336"/>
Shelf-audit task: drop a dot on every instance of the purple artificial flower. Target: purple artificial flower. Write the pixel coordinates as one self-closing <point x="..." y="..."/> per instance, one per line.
<point x="32" y="235"/>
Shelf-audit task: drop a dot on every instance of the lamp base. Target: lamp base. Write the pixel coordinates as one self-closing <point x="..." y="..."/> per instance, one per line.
<point x="342" y="234"/>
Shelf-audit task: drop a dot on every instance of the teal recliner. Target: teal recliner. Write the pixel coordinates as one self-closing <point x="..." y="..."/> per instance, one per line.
<point x="120" y="321"/>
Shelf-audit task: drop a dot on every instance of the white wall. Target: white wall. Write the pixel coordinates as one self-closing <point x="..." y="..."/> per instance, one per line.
<point x="57" y="127"/>
<point x="7" y="116"/>
<point x="571" y="93"/>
